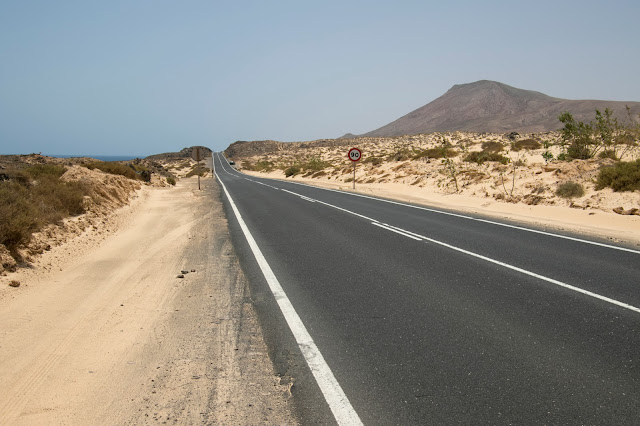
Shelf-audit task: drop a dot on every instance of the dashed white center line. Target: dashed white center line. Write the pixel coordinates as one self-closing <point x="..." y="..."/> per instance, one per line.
<point x="389" y="228"/>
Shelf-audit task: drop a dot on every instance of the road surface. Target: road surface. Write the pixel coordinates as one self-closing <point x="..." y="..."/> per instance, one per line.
<point x="423" y="316"/>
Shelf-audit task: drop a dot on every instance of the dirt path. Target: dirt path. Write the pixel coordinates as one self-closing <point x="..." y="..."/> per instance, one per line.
<point x="117" y="338"/>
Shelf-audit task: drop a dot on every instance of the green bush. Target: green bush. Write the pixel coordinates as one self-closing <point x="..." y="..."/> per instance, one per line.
<point x="526" y="144"/>
<point x="171" y="180"/>
<point x="570" y="189"/>
<point x="580" y="151"/>
<point x="292" y="171"/>
<point x="263" y="165"/>
<point x="608" y="153"/>
<point x="492" y="146"/>
<point x="435" y="153"/>
<point x="260" y="166"/>
<point x="623" y="176"/>
<point x="315" y="164"/>
<point x="483" y="156"/>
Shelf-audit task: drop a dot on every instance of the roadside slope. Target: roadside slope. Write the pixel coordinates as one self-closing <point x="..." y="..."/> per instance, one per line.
<point x="117" y="338"/>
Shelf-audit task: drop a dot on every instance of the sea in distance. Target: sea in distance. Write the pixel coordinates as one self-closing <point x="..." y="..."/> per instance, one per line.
<point x="102" y="157"/>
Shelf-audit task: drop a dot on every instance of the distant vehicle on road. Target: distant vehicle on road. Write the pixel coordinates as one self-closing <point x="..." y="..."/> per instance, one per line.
<point x="232" y="163"/>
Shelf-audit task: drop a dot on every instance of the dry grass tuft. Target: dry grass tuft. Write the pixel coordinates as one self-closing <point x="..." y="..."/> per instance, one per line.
<point x="33" y="198"/>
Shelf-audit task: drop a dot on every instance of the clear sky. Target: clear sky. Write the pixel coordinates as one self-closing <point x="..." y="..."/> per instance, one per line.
<point x="143" y="77"/>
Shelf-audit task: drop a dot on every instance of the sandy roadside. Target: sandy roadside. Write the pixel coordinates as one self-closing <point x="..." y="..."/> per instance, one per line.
<point x="610" y="226"/>
<point x="116" y="338"/>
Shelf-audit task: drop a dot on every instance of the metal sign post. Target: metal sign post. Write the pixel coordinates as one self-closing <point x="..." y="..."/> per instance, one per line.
<point x="354" y="155"/>
<point x="196" y="154"/>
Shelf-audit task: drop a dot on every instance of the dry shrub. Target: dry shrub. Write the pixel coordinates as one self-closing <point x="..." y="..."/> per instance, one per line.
<point x="570" y="189"/>
<point x="114" y="169"/>
<point x="623" y="176"/>
<point x="492" y="146"/>
<point x="292" y="171"/>
<point x="473" y="175"/>
<point x="315" y="164"/>
<point x="480" y="157"/>
<point x="608" y="153"/>
<point x="526" y="144"/>
<point x="18" y="216"/>
<point x="197" y="170"/>
<point x="435" y="153"/>
<point x="33" y="198"/>
<point x="403" y="154"/>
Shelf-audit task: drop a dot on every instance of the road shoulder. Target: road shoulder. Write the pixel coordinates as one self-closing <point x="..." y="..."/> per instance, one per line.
<point x="117" y="337"/>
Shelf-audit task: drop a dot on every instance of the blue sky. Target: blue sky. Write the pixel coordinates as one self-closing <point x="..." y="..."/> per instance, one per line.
<point x="143" y="77"/>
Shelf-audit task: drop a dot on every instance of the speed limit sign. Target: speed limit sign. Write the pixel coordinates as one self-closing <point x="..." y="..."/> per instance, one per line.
<point x="355" y="154"/>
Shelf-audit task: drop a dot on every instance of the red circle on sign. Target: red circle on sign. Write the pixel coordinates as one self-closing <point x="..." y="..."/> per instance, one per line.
<point x="354" y="154"/>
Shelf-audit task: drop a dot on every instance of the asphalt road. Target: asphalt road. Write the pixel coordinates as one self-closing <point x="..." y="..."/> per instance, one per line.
<point x="430" y="317"/>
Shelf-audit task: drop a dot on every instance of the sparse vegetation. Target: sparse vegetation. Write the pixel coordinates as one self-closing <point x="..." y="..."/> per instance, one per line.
<point x="114" y="169"/>
<point x="376" y="161"/>
<point x="492" y="146"/>
<point x="197" y="170"/>
<point x="33" y="198"/>
<point x="259" y="166"/>
<point x="481" y="157"/>
<point x="604" y="134"/>
<point x="570" y="189"/>
<point x="309" y="167"/>
<point x="547" y="155"/>
<point x="623" y="176"/>
<point x="525" y="144"/>
<point x="402" y="154"/>
<point x="171" y="180"/>
<point x="292" y="171"/>
<point x="315" y="164"/>
<point x="608" y="153"/>
<point x="449" y="165"/>
<point x="435" y="153"/>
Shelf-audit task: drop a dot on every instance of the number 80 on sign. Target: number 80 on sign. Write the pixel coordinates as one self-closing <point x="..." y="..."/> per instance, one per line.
<point x="355" y="154"/>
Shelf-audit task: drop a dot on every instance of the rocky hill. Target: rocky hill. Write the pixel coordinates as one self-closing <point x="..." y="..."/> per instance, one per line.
<point x="183" y="153"/>
<point x="489" y="106"/>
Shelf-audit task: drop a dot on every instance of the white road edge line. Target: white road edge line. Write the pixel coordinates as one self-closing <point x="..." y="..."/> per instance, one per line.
<point x="538" y="276"/>
<point x="339" y="404"/>
<point x="388" y="228"/>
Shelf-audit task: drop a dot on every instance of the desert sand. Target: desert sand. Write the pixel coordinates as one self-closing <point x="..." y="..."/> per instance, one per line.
<point x="525" y="193"/>
<point x="102" y="330"/>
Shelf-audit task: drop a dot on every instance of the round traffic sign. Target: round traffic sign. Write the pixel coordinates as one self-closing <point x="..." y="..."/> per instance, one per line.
<point x="355" y="154"/>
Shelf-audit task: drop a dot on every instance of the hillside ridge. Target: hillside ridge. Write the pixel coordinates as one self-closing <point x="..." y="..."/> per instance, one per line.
<point x="494" y="107"/>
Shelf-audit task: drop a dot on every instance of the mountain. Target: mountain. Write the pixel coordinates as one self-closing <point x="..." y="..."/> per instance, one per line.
<point x="184" y="153"/>
<point x="489" y="106"/>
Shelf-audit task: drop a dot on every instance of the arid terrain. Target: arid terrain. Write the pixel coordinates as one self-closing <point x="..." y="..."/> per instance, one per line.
<point x="517" y="182"/>
<point x="134" y="312"/>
